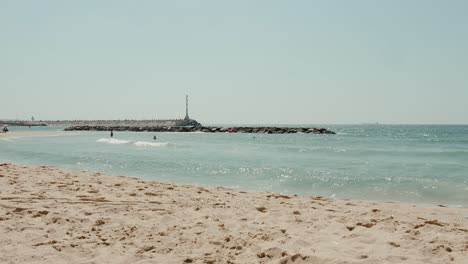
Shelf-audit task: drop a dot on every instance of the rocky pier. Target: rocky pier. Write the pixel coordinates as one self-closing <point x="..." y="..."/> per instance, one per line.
<point x="21" y="123"/>
<point x="206" y="129"/>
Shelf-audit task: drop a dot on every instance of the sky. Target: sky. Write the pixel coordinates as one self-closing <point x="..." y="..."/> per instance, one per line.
<point x="240" y="62"/>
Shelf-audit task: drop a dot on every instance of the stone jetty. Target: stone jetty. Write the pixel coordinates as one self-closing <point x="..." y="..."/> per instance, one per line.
<point x="20" y="123"/>
<point x="206" y="129"/>
<point x="106" y="123"/>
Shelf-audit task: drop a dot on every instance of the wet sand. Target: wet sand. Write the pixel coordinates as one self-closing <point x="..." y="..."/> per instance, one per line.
<point x="52" y="215"/>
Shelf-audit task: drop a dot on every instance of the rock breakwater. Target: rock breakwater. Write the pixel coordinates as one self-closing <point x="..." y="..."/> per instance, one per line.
<point x="104" y="123"/>
<point x="21" y="123"/>
<point x="206" y="129"/>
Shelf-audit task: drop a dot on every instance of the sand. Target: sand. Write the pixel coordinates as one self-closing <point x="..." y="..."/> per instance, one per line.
<point x="52" y="215"/>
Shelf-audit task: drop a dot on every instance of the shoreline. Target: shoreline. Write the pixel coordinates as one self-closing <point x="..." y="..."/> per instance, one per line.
<point x="48" y="214"/>
<point x="51" y="133"/>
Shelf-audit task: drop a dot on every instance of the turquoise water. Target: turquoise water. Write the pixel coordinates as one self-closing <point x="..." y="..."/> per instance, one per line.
<point x="412" y="163"/>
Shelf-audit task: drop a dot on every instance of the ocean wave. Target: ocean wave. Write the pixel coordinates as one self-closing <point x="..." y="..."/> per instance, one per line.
<point x="113" y="141"/>
<point x="136" y="143"/>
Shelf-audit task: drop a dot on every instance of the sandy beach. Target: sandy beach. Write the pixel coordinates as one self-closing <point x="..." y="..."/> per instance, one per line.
<point x="51" y="215"/>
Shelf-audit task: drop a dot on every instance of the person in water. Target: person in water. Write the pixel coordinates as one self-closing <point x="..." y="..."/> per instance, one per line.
<point x="112" y="133"/>
<point x="154" y="138"/>
<point x="5" y="129"/>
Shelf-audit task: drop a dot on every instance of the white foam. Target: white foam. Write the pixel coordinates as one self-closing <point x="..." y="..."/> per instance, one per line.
<point x="113" y="141"/>
<point x="136" y="143"/>
<point x="150" y="144"/>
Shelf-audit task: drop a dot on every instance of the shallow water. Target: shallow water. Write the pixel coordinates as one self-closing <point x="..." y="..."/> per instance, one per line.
<point x="412" y="163"/>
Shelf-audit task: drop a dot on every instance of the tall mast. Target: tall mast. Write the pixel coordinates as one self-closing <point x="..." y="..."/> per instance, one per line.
<point x="186" y="107"/>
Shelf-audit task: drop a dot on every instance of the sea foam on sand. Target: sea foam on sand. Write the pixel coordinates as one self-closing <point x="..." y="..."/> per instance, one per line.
<point x="51" y="215"/>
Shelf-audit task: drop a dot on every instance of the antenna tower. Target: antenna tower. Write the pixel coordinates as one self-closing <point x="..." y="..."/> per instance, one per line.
<point x="186" y="107"/>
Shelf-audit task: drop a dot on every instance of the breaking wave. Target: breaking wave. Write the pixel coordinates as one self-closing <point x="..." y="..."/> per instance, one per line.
<point x="113" y="141"/>
<point x="136" y="143"/>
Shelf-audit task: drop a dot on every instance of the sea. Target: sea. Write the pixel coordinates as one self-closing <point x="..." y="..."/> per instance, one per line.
<point x="423" y="164"/>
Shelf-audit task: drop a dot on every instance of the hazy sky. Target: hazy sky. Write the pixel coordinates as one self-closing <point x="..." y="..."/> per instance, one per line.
<point x="240" y="61"/>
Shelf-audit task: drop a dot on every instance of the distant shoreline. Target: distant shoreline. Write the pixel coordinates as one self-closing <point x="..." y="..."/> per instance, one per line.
<point x="67" y="123"/>
<point x="172" y="122"/>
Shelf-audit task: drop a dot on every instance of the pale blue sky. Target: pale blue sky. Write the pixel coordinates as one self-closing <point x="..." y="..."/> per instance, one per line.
<point x="393" y="61"/>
